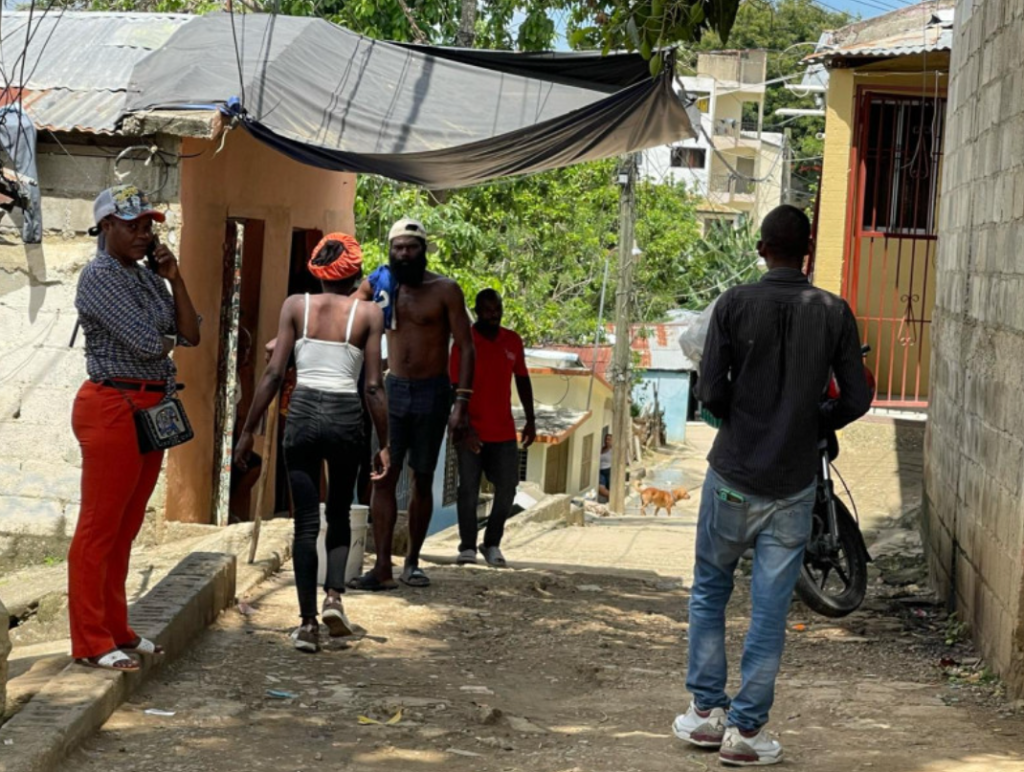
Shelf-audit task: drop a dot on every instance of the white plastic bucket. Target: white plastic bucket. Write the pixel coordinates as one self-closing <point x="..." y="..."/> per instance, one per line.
<point x="358" y="517"/>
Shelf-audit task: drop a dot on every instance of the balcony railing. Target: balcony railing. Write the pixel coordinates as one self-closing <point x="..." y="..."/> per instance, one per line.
<point x="746" y="67"/>
<point x="737" y="130"/>
<point x="732" y="185"/>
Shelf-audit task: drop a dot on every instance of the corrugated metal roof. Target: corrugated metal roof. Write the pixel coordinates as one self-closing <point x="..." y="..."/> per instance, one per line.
<point x="659" y="349"/>
<point x="657" y="344"/>
<point x="586" y="355"/>
<point x="554" y="424"/>
<point x="916" y="29"/>
<point x="78" y="65"/>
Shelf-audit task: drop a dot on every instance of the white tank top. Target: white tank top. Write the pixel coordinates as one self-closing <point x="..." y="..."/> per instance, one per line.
<point x="325" y="365"/>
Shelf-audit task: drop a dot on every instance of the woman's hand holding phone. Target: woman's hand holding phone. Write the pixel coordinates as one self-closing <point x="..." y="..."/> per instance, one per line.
<point x="162" y="261"/>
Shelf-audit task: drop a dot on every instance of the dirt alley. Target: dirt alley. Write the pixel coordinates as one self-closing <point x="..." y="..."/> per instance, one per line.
<point x="550" y="672"/>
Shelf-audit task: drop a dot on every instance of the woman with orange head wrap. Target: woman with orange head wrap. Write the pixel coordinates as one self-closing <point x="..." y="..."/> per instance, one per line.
<point x="332" y="337"/>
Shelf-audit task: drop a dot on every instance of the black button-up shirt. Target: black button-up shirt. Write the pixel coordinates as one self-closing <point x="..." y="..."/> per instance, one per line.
<point x="767" y="359"/>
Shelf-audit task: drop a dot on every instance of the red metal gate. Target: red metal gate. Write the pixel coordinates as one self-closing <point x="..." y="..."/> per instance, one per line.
<point x="889" y="279"/>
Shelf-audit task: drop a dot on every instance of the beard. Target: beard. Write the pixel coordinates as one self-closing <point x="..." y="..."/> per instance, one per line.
<point x="487" y="328"/>
<point x="409" y="273"/>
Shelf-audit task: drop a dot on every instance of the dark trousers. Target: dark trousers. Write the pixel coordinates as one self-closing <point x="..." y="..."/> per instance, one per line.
<point x="498" y="460"/>
<point x="322" y="427"/>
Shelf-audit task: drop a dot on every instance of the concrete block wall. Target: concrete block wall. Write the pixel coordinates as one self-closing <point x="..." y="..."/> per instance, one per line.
<point x="40" y="464"/>
<point x="974" y="473"/>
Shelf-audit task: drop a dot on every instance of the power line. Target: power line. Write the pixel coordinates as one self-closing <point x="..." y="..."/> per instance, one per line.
<point x="238" y="56"/>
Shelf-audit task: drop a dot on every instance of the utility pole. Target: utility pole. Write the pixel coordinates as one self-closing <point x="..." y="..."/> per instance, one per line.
<point x="622" y="423"/>
<point x="597" y="332"/>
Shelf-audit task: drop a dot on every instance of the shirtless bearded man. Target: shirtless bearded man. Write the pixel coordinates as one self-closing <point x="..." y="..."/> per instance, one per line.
<point x="424" y="312"/>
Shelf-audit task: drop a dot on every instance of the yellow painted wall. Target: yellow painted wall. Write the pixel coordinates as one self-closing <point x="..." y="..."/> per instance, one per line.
<point x="828" y="257"/>
<point x="245" y="180"/>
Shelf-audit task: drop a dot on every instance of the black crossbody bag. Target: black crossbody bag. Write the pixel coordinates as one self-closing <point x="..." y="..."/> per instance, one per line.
<point x="162" y="426"/>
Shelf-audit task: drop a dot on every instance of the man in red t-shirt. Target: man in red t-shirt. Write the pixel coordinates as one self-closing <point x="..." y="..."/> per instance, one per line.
<point x="490" y="447"/>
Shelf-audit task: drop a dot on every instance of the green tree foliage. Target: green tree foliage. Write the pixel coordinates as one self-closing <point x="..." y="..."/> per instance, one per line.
<point x="542" y="241"/>
<point x="648" y="26"/>
<point x="423" y="21"/>
<point x="724" y="257"/>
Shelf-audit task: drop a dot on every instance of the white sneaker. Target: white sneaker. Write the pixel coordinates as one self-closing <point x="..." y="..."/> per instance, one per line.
<point x="466" y="558"/>
<point x="704" y="728"/>
<point x="334" y="617"/>
<point x="758" y="751"/>
<point x="306" y="640"/>
<point x="494" y="557"/>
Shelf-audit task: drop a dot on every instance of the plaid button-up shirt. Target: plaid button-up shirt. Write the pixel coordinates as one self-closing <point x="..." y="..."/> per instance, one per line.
<point x="125" y="314"/>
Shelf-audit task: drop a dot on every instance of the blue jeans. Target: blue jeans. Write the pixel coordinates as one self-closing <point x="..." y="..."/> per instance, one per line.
<point x="778" y="530"/>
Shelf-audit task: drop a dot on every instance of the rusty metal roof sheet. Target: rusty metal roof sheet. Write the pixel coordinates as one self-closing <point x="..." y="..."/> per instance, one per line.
<point x="657" y="345"/>
<point x="916" y="29"/>
<point x="78" y="65"/>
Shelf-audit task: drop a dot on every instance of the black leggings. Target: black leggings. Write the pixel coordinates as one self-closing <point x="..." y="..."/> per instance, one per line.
<point x="322" y="427"/>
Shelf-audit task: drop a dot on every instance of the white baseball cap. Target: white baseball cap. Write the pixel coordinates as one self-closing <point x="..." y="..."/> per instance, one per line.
<point x="126" y="202"/>
<point x="409" y="227"/>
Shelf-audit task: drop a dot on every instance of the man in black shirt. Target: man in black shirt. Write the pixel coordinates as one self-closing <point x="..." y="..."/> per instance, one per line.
<point x="767" y="360"/>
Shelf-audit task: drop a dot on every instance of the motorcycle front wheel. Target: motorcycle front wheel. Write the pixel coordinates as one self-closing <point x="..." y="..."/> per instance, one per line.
<point x="833" y="582"/>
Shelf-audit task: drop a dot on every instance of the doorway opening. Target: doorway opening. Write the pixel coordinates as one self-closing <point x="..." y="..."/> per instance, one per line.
<point x="241" y="277"/>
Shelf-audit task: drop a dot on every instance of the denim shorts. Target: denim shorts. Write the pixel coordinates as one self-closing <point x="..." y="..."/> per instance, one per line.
<point x="418" y="411"/>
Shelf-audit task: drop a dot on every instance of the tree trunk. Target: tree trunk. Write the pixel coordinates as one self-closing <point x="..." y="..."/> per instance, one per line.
<point x="466" y="36"/>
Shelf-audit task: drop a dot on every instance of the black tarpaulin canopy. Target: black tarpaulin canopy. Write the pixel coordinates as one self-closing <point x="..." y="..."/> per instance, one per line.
<point x="441" y="118"/>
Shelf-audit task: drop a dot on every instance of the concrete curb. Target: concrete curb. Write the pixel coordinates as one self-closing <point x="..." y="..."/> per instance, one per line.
<point x="78" y="701"/>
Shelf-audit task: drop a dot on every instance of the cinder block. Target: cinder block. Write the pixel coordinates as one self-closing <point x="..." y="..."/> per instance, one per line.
<point x="47" y="480"/>
<point x="31" y="517"/>
<point x="25" y="442"/>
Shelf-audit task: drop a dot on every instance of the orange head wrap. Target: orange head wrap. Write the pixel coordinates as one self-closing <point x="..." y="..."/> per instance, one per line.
<point x="347" y="264"/>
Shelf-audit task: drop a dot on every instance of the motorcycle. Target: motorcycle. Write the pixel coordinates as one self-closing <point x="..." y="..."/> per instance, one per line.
<point x="834" y="576"/>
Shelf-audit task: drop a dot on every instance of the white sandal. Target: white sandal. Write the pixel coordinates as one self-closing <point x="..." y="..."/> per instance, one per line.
<point x="111" y="661"/>
<point x="144" y="646"/>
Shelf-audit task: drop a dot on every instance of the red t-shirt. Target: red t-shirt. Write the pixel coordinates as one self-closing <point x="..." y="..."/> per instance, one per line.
<point x="490" y="408"/>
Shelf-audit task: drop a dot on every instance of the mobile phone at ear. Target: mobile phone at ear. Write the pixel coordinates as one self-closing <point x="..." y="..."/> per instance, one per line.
<point x="151" y="254"/>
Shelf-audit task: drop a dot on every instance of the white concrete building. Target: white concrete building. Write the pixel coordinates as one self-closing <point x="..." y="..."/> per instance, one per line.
<point x="739" y="170"/>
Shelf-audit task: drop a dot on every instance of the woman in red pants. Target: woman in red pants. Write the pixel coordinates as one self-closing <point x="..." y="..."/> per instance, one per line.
<point x="131" y="323"/>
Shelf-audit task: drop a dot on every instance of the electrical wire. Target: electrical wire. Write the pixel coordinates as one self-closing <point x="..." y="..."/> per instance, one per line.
<point x="238" y="57"/>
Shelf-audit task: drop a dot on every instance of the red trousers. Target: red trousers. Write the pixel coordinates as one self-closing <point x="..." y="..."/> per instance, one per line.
<point x="117" y="482"/>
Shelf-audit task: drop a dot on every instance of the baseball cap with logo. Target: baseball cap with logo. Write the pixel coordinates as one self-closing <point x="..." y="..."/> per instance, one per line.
<point x="409" y="227"/>
<point x="126" y="202"/>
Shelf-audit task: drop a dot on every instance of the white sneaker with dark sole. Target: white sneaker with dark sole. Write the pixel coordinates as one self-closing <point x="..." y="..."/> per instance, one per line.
<point x="306" y="640"/>
<point x="466" y="558"/>
<point x="757" y="751"/>
<point x="703" y="728"/>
